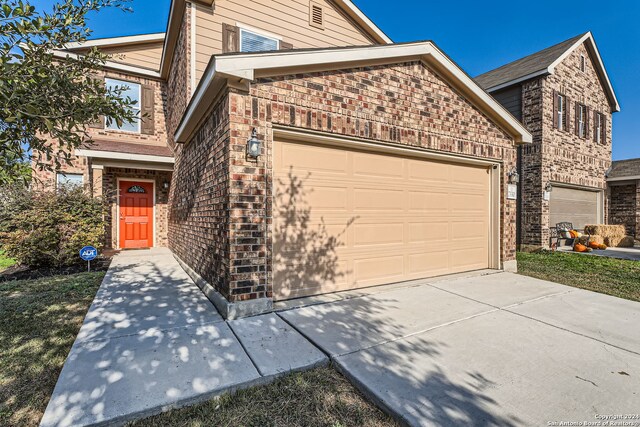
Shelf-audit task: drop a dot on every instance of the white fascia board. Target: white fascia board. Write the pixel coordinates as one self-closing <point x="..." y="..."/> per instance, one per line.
<point x="588" y="37"/>
<point x="246" y="67"/>
<point x="115" y="155"/>
<point x="551" y="69"/>
<point x="364" y="20"/>
<point x="624" y="178"/>
<point x="117" y="41"/>
<point x="112" y="65"/>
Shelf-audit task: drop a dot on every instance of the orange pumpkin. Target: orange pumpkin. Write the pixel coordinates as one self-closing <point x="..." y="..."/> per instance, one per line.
<point x="579" y="248"/>
<point x="594" y="245"/>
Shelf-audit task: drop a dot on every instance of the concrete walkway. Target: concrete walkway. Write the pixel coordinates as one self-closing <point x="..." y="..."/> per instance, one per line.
<point x="498" y="349"/>
<point x="151" y="341"/>
<point x="632" y="254"/>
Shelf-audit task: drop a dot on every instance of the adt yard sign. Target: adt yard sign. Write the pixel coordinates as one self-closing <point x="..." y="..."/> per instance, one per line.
<point x="88" y="253"/>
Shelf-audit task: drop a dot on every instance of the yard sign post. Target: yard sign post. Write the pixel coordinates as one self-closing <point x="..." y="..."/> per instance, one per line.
<point x="88" y="253"/>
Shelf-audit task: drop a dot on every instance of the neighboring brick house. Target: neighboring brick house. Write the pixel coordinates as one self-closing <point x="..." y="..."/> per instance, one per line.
<point x="376" y="162"/>
<point x="623" y="182"/>
<point x="564" y="97"/>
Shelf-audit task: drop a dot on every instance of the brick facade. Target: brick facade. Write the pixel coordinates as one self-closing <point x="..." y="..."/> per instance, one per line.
<point x="560" y="156"/>
<point x="404" y="104"/>
<point x="624" y="209"/>
<point x="102" y="182"/>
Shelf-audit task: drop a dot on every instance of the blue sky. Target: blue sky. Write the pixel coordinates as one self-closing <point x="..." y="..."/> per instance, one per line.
<point x="480" y="36"/>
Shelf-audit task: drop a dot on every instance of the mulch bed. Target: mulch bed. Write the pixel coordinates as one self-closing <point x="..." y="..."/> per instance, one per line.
<point x="23" y="272"/>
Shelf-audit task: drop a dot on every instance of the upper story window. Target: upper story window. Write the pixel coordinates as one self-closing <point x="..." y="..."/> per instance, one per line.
<point x="560" y="113"/>
<point x="69" y="180"/>
<point x="583" y="63"/>
<point x="581" y="120"/>
<point x="132" y="91"/>
<point x="599" y="128"/>
<point x="254" y="42"/>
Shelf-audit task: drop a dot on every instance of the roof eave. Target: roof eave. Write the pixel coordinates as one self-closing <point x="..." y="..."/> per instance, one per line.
<point x="241" y="69"/>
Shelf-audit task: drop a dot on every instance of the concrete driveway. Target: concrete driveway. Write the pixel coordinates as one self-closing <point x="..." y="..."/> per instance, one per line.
<point x="499" y="349"/>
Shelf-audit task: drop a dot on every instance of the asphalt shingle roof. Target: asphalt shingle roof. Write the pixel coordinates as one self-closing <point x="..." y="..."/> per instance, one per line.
<point x="624" y="168"/>
<point x="524" y="66"/>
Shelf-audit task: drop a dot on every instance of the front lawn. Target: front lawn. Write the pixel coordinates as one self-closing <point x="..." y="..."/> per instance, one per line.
<point x="39" y="320"/>
<point x="5" y="262"/>
<point x="617" y="277"/>
<point x="320" y="397"/>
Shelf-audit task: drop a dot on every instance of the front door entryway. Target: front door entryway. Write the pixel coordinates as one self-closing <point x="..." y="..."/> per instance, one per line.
<point x="136" y="214"/>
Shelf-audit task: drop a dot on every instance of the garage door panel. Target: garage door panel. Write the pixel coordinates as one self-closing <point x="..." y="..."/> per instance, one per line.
<point x="375" y="166"/>
<point x="469" y="230"/>
<point x="377" y="199"/>
<point x="378" y="234"/>
<point x="436" y="173"/>
<point x="429" y="264"/>
<point x="436" y="231"/>
<point x="373" y="270"/>
<point x="579" y="207"/>
<point x="382" y="219"/>
<point x="307" y="158"/>
<point x="423" y="201"/>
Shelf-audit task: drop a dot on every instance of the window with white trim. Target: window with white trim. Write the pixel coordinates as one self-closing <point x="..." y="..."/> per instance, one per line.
<point x="599" y="128"/>
<point x="582" y="120"/>
<point x="132" y="91"/>
<point x="562" y="105"/>
<point x="253" y="42"/>
<point x="583" y="63"/>
<point x="69" y="180"/>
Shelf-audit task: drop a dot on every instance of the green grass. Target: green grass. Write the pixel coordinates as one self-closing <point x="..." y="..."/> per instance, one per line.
<point x="39" y="320"/>
<point x="617" y="277"/>
<point x="5" y="262"/>
<point x="320" y="397"/>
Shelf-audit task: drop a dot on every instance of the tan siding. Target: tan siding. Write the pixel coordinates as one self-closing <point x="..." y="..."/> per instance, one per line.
<point x="144" y="55"/>
<point x="286" y="18"/>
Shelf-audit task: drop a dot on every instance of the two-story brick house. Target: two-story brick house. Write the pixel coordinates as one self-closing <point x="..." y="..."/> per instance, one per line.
<point x="290" y="149"/>
<point x="564" y="97"/>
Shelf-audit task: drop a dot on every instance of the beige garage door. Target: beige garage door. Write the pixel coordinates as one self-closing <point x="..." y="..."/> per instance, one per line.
<point x="345" y="218"/>
<point x="579" y="207"/>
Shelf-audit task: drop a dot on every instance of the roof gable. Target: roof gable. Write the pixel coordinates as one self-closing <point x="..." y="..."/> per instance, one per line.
<point x="543" y="63"/>
<point x="240" y="69"/>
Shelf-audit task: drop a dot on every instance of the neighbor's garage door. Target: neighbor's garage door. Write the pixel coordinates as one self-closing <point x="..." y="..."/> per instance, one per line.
<point x="345" y="218"/>
<point x="579" y="207"/>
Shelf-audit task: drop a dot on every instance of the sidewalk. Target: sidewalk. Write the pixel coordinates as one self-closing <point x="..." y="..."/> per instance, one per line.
<point x="152" y="341"/>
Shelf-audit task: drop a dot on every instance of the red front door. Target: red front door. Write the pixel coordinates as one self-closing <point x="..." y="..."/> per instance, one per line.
<point x="136" y="214"/>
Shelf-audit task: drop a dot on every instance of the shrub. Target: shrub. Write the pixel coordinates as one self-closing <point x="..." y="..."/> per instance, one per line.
<point x="48" y="228"/>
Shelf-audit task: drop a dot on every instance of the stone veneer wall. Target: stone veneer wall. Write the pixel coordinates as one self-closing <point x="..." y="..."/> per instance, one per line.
<point x="405" y="104"/>
<point x="560" y="156"/>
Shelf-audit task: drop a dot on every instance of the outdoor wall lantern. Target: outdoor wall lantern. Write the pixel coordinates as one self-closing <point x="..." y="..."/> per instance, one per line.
<point x="514" y="176"/>
<point x="165" y="184"/>
<point x="254" y="145"/>
<point x="548" y="187"/>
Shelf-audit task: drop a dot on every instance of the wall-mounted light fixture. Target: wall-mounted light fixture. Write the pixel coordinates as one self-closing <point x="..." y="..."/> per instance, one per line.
<point x="548" y="187"/>
<point x="254" y="145"/>
<point x="514" y="176"/>
<point x="165" y="184"/>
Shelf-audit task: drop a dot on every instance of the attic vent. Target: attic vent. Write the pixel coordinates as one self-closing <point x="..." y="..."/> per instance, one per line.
<point x="316" y="15"/>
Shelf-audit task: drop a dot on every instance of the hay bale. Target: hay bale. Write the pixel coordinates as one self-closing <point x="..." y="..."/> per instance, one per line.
<point x="626" y="242"/>
<point x="612" y="234"/>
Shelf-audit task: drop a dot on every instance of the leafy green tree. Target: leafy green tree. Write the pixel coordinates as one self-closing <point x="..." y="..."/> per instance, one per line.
<point x="45" y="97"/>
